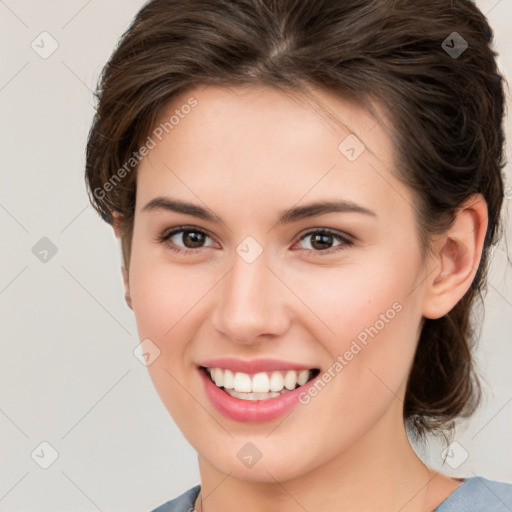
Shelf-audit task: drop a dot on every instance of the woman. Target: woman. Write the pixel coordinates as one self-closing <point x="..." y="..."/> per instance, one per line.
<point x="306" y="193"/>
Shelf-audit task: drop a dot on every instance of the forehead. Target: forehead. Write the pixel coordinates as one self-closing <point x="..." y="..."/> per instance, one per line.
<point x="257" y="112"/>
<point x="262" y="147"/>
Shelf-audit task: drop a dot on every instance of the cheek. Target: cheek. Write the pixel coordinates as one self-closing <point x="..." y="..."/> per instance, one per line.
<point x="356" y="297"/>
<point x="161" y="293"/>
<point x="373" y="316"/>
<point x="163" y="299"/>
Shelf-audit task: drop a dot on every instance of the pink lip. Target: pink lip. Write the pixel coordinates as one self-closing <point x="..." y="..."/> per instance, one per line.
<point x="253" y="366"/>
<point x="248" y="411"/>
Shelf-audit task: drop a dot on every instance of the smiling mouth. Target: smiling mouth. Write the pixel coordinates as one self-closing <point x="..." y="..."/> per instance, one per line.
<point x="261" y="385"/>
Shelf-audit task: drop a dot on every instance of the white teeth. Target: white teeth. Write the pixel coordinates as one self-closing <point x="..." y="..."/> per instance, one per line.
<point x="229" y="379"/>
<point x="260" y="383"/>
<point x="242" y="382"/>
<point x="290" y="379"/>
<point x="302" y="378"/>
<point x="277" y="381"/>
<point x="252" y="396"/>
<point x="258" y="386"/>
<point x="218" y="377"/>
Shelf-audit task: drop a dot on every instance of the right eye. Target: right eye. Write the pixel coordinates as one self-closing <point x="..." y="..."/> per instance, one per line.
<point x="191" y="238"/>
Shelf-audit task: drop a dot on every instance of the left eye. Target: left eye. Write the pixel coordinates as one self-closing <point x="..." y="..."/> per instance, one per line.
<point x="323" y="240"/>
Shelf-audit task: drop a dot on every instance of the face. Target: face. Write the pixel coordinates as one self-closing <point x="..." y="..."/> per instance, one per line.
<point x="254" y="280"/>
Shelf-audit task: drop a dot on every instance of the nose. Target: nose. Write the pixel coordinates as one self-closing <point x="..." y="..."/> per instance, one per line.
<point x="251" y="303"/>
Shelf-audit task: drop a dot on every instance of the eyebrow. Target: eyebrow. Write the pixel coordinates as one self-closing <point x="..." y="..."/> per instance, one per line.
<point x="285" y="217"/>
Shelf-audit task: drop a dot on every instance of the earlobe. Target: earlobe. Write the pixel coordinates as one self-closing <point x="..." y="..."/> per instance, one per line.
<point x="127" y="296"/>
<point x="455" y="260"/>
<point x="117" y="224"/>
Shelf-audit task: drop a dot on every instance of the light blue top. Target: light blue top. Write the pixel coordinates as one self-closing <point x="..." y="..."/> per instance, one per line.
<point x="476" y="494"/>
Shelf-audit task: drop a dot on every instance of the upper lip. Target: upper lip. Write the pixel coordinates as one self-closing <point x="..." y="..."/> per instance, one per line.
<point x="253" y="365"/>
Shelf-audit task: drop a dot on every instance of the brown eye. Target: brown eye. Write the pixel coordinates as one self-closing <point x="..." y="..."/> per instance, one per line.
<point x="321" y="241"/>
<point x="193" y="239"/>
<point x="183" y="238"/>
<point x="324" y="240"/>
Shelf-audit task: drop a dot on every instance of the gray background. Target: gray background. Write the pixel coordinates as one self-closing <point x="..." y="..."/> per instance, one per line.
<point x="67" y="369"/>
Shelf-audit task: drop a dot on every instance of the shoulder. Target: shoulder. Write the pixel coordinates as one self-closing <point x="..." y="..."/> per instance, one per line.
<point x="477" y="494"/>
<point x="183" y="503"/>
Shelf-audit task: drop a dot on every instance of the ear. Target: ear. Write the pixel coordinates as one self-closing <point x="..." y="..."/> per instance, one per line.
<point x="126" y="280"/>
<point x="117" y="225"/>
<point x="455" y="258"/>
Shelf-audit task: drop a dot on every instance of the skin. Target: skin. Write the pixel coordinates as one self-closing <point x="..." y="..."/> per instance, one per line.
<point x="246" y="154"/>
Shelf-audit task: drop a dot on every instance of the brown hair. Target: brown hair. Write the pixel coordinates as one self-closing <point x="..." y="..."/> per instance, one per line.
<point x="445" y="110"/>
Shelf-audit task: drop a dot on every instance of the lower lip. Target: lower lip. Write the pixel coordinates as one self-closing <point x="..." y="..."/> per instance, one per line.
<point x="251" y="411"/>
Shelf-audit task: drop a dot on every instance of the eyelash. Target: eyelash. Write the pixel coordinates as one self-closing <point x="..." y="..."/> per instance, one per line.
<point x="344" y="241"/>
